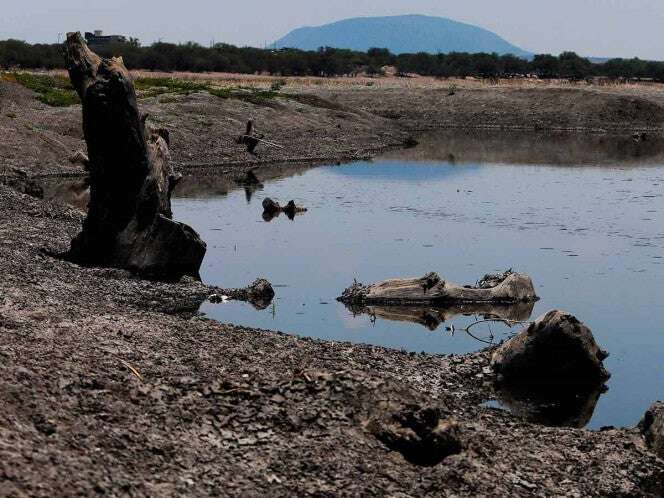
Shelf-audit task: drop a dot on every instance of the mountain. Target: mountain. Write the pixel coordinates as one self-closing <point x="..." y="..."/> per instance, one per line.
<point x="400" y="34"/>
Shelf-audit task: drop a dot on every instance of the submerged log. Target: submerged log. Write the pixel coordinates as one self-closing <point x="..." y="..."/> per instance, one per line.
<point x="508" y="287"/>
<point x="129" y="221"/>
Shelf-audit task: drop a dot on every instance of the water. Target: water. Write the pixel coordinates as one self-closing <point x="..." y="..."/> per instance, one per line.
<point x="590" y="238"/>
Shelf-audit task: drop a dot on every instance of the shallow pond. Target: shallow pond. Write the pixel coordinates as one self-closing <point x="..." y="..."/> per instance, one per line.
<point x="589" y="236"/>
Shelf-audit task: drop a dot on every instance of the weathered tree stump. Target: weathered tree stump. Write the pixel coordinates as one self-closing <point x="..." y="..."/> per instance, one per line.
<point x="129" y="221"/>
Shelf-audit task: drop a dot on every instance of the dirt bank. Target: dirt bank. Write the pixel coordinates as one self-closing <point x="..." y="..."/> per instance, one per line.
<point x="579" y="109"/>
<point x="326" y="122"/>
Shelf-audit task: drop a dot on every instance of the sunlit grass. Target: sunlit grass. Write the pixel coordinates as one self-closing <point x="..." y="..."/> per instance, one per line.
<point x="52" y="90"/>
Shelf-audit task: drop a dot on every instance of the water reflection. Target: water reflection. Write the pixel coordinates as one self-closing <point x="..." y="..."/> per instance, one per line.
<point x="249" y="192"/>
<point x="558" y="406"/>
<point x="213" y="182"/>
<point x="505" y="147"/>
<point x="432" y="317"/>
<point x="591" y="239"/>
<point x="449" y="146"/>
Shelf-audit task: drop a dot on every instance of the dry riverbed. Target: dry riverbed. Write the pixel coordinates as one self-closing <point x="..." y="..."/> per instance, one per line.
<point x="116" y="386"/>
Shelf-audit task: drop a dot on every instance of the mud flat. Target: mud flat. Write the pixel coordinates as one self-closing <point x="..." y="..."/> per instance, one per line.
<point x="114" y="385"/>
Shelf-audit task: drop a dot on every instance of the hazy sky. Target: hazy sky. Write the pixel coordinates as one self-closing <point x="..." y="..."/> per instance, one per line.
<point x="623" y="28"/>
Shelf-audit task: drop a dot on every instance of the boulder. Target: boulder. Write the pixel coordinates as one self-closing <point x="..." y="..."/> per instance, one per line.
<point x="557" y="348"/>
<point x="652" y="428"/>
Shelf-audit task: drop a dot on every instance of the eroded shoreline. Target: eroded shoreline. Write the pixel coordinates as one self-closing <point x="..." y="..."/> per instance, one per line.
<point x="116" y="385"/>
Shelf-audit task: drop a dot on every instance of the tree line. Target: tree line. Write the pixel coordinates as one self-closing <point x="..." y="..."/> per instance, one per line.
<point x="334" y="62"/>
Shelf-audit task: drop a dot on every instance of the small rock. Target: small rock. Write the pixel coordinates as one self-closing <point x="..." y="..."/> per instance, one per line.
<point x="421" y="435"/>
<point x="272" y="209"/>
<point x="260" y="291"/>
<point x="270" y="206"/>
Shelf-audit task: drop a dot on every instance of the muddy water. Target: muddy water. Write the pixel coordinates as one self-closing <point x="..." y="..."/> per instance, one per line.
<point x="590" y="237"/>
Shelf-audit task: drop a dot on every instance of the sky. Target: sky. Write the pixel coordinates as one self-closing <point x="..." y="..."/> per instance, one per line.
<point x="602" y="28"/>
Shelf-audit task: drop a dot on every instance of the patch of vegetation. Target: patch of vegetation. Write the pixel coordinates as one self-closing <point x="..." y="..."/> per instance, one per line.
<point x="258" y="97"/>
<point x="277" y="85"/>
<point x="254" y="96"/>
<point x="59" y="98"/>
<point x="55" y="91"/>
<point x="151" y="87"/>
<point x="168" y="99"/>
<point x="222" y="93"/>
<point x="11" y="115"/>
<point x="313" y="101"/>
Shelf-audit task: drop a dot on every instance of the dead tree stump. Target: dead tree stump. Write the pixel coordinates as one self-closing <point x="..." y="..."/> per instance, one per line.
<point x="129" y="221"/>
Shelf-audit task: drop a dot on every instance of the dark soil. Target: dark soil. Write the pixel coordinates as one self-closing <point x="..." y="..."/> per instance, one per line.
<point x="579" y="109"/>
<point x="115" y="386"/>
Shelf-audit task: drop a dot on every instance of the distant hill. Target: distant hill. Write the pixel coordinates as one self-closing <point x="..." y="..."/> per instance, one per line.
<point x="400" y="34"/>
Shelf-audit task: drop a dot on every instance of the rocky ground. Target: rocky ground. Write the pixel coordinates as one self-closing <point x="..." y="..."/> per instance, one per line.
<point x="114" y="386"/>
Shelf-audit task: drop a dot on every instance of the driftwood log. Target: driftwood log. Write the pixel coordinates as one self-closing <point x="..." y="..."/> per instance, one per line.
<point x="508" y="287"/>
<point x="129" y="221"/>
